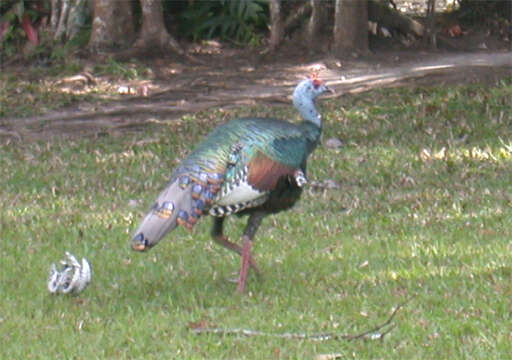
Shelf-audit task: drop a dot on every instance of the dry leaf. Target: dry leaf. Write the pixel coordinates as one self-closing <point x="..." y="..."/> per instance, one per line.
<point x="329" y="356"/>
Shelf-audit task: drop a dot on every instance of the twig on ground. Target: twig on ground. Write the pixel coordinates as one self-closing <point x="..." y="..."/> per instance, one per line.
<point x="371" y="334"/>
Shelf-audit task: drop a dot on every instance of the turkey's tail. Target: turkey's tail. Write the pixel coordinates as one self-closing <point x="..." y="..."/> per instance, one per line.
<point x="181" y="203"/>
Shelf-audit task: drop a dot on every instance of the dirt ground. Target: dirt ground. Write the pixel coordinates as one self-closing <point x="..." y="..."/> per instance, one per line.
<point x="218" y="75"/>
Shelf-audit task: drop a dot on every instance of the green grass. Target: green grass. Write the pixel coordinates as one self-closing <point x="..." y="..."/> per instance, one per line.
<point x="423" y="212"/>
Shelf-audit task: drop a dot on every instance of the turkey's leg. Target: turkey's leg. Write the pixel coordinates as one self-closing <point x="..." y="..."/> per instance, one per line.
<point x="250" y="230"/>
<point x="219" y="237"/>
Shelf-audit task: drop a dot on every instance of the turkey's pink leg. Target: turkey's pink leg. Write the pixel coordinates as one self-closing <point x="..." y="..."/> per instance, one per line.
<point x="223" y="240"/>
<point x="246" y="256"/>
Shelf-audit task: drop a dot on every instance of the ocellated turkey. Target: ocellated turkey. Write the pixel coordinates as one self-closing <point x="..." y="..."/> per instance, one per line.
<point x="249" y="166"/>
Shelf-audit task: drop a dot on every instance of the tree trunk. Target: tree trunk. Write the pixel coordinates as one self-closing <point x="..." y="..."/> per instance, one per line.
<point x="77" y="18"/>
<point x="60" y="21"/>
<point x="276" y="24"/>
<point x="351" y="27"/>
<point x="315" y="22"/>
<point x="296" y="17"/>
<point x="430" y="33"/>
<point x="112" y="24"/>
<point x="68" y="17"/>
<point x="392" y="19"/>
<point x="153" y="34"/>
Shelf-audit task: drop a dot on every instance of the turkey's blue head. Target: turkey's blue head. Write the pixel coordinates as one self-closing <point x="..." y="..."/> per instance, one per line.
<point x="304" y="97"/>
<point x="309" y="89"/>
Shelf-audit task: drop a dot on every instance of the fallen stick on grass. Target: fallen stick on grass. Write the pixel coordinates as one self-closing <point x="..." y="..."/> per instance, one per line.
<point x="374" y="333"/>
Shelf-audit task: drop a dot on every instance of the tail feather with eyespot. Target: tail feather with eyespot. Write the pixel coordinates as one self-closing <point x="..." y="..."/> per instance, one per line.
<point x="174" y="206"/>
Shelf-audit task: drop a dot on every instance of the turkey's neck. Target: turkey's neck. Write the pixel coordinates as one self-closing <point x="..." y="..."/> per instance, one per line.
<point x="308" y="111"/>
<point x="312" y="123"/>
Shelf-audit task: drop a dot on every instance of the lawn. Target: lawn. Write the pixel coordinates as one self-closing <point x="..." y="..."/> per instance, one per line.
<point x="422" y="215"/>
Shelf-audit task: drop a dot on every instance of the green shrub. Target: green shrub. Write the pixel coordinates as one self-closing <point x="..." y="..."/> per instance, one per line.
<point x="235" y="20"/>
<point x="476" y="10"/>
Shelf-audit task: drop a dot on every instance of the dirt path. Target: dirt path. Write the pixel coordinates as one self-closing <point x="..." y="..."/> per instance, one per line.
<point x="243" y="83"/>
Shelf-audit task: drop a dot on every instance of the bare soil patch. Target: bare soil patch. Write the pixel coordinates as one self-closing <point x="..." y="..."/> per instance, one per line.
<point x="224" y="76"/>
